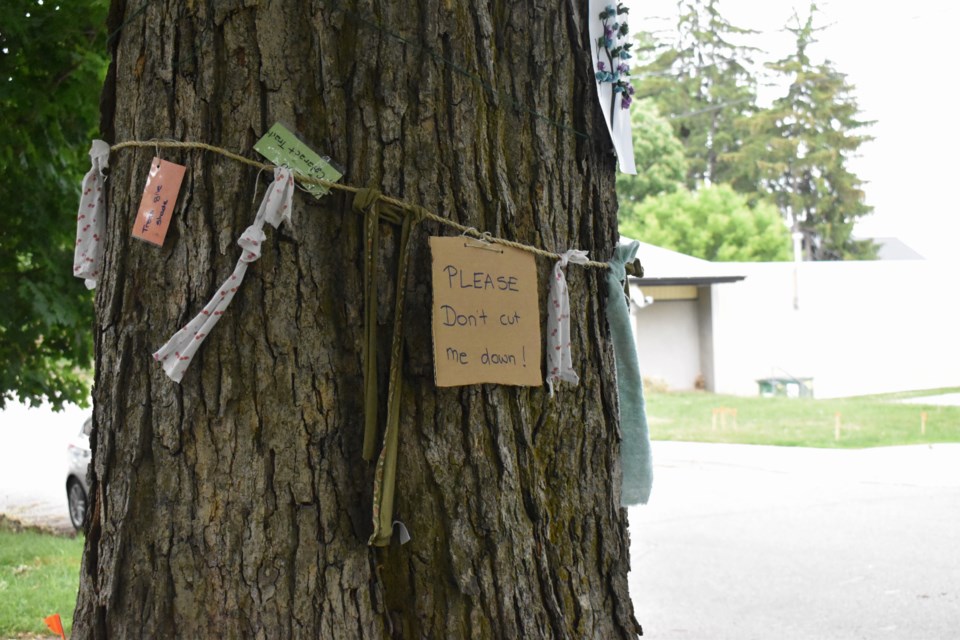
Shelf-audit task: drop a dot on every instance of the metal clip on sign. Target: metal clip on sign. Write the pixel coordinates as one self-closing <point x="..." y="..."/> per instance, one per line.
<point x="483" y="241"/>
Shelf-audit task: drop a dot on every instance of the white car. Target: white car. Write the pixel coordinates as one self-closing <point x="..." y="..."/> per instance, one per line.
<point x="78" y="454"/>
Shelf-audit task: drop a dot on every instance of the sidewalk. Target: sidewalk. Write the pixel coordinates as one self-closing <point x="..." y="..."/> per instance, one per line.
<point x="745" y="542"/>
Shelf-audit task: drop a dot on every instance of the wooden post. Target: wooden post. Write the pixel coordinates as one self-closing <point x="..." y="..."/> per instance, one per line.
<point x="836" y="426"/>
<point x="923" y="423"/>
<point x="723" y="412"/>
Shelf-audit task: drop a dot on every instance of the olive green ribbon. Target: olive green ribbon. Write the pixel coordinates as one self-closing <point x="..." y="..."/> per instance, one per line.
<point x="369" y="203"/>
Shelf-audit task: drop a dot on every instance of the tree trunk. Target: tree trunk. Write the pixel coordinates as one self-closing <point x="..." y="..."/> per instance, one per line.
<point x="237" y="504"/>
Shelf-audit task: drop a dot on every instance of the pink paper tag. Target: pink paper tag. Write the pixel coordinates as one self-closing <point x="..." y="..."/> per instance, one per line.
<point x="159" y="198"/>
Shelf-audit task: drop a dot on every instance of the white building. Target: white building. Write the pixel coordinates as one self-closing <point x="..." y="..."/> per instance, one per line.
<point x="841" y="328"/>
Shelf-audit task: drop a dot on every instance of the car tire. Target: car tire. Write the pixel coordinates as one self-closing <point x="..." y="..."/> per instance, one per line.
<point x="76" y="502"/>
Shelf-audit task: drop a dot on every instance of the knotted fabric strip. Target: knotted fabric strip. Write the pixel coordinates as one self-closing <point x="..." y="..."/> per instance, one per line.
<point x="559" y="358"/>
<point x="635" y="448"/>
<point x="276" y="207"/>
<point x="91" y="218"/>
<point x="385" y="475"/>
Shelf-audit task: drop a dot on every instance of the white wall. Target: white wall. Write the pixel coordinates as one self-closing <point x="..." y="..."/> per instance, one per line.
<point x="668" y="342"/>
<point x="861" y="327"/>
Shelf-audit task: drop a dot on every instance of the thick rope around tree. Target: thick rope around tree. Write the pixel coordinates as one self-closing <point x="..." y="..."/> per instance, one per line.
<point x="417" y="211"/>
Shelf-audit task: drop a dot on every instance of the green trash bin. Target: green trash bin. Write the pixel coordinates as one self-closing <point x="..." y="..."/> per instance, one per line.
<point x="785" y="387"/>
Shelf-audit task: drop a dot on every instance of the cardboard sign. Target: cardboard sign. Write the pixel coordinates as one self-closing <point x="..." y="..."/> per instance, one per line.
<point x="282" y="148"/>
<point x="486" y="314"/>
<point x="158" y="200"/>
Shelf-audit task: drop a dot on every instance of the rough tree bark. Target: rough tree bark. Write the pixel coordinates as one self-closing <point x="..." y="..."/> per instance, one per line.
<point x="236" y="504"/>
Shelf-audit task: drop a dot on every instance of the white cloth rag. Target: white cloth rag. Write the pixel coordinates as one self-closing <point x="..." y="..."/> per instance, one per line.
<point x="277" y="204"/>
<point x="559" y="358"/>
<point x="91" y="221"/>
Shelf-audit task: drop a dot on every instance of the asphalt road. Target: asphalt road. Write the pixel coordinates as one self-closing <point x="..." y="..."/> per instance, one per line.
<point x="738" y="542"/>
<point x="751" y="542"/>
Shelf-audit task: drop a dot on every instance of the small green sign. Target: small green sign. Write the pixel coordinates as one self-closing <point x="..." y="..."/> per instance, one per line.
<point x="282" y="148"/>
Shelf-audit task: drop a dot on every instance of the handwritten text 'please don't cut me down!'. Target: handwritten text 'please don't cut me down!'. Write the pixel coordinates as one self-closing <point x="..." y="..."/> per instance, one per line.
<point x="485" y="315"/>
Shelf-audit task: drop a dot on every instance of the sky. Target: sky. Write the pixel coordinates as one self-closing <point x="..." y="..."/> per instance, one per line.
<point x="897" y="56"/>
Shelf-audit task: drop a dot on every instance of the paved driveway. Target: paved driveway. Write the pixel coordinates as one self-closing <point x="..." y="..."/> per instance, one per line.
<point x="762" y="542"/>
<point x="33" y="463"/>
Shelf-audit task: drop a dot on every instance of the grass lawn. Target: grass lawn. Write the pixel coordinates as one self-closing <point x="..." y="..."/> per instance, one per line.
<point x="39" y="576"/>
<point x="867" y="421"/>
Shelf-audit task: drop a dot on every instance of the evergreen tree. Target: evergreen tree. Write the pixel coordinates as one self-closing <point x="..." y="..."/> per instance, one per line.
<point x="705" y="86"/>
<point x="798" y="151"/>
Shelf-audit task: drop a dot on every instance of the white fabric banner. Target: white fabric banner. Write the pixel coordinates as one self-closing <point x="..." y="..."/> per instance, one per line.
<point x="614" y="114"/>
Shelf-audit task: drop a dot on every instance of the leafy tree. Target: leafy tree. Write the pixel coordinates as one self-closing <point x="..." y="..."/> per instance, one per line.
<point x="714" y="223"/>
<point x="798" y="152"/>
<point x="50" y="77"/>
<point x="238" y="503"/>
<point x="704" y="84"/>
<point x="661" y="165"/>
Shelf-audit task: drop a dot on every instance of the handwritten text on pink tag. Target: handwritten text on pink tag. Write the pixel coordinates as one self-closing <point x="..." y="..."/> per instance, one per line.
<point x="159" y="198"/>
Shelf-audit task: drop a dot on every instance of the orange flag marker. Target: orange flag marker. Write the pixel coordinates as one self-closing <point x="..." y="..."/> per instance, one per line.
<point x="55" y="625"/>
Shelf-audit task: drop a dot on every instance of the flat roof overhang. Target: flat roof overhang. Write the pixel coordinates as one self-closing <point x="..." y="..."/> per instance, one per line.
<point x="684" y="281"/>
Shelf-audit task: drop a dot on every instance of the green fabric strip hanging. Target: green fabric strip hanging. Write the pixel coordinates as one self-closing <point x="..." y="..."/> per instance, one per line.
<point x="385" y="478"/>
<point x="369" y="203"/>
<point x="637" y="463"/>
